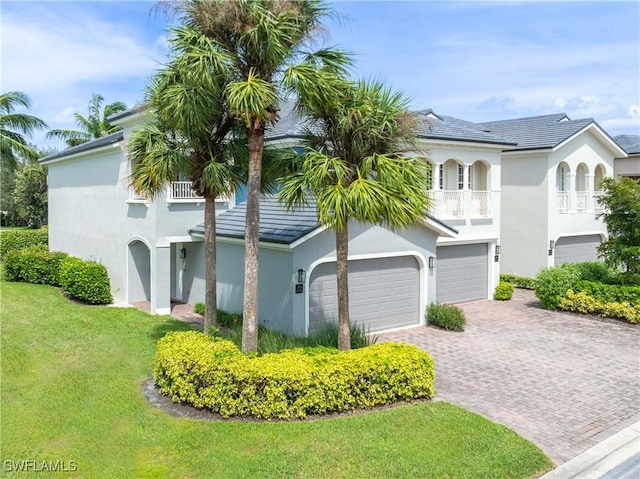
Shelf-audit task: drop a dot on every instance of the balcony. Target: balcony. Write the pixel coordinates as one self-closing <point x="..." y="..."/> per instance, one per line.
<point x="181" y="191"/>
<point x="579" y="202"/>
<point x="461" y="204"/>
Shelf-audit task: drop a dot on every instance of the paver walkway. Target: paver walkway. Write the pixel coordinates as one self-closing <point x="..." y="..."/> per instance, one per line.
<point x="563" y="381"/>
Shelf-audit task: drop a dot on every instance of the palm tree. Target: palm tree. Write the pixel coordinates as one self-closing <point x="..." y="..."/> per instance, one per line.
<point x="355" y="169"/>
<point x="94" y="125"/>
<point x="13" y="129"/>
<point x="258" y="43"/>
<point x="191" y="133"/>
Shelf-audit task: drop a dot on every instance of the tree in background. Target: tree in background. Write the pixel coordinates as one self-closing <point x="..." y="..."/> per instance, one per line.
<point x="30" y="196"/>
<point x="621" y="203"/>
<point x="94" y="125"/>
<point x="354" y="168"/>
<point x="191" y="133"/>
<point x="256" y="41"/>
<point x="14" y="130"/>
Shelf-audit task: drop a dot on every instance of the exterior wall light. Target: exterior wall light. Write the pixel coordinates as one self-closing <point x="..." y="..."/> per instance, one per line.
<point x="432" y="262"/>
<point x="302" y="275"/>
<point x="498" y="249"/>
<point x="552" y="244"/>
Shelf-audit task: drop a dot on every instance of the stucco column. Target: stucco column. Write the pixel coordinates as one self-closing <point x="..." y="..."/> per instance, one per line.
<point x="161" y="280"/>
<point x="466" y="193"/>
<point x="572" y="192"/>
<point x="590" y="178"/>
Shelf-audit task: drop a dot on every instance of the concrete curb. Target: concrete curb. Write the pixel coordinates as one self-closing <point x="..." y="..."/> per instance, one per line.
<point x="601" y="458"/>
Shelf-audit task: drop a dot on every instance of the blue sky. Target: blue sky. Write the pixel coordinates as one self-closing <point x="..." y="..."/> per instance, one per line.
<point x="475" y="60"/>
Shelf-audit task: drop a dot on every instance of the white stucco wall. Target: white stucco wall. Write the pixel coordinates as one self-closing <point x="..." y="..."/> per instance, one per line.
<point x="627" y="167"/>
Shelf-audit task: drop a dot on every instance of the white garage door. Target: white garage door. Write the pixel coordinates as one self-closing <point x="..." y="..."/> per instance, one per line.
<point x="461" y="273"/>
<point x="383" y="293"/>
<point x="576" y="249"/>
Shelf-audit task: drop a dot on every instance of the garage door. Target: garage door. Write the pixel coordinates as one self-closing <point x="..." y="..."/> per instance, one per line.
<point x="576" y="249"/>
<point x="461" y="273"/>
<point x="383" y="293"/>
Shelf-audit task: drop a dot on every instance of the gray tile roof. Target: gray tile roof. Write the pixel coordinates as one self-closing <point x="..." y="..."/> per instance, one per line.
<point x="629" y="143"/>
<point x="537" y="132"/>
<point x="277" y="225"/>
<point x="432" y="126"/>
<point x="90" y="145"/>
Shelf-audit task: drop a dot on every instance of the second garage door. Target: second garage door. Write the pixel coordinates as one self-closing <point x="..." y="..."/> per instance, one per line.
<point x="461" y="273"/>
<point x="576" y="249"/>
<point x="383" y="293"/>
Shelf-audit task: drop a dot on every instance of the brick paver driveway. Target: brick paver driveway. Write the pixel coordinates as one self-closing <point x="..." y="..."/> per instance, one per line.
<point x="563" y="381"/>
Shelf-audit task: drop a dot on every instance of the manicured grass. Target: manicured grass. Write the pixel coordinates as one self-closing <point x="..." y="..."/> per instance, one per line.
<point x="71" y="391"/>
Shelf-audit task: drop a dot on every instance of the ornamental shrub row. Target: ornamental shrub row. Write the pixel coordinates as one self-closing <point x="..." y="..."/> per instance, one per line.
<point x="212" y="373"/>
<point x="518" y="281"/>
<point x="503" y="292"/>
<point x="35" y="264"/>
<point x="86" y="281"/>
<point x="610" y="293"/>
<point x="14" y="240"/>
<point x="553" y="283"/>
<point x="581" y="302"/>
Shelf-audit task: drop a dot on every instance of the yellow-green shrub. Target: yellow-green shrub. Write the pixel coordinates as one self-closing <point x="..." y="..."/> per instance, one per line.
<point x="212" y="373"/>
<point x="583" y="303"/>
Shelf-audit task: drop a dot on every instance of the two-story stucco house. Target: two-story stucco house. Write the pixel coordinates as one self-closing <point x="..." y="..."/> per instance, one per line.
<point x="550" y="181"/>
<point x="153" y="249"/>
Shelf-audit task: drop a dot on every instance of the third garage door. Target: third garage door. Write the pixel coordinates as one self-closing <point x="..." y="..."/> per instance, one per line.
<point x="461" y="273"/>
<point x="576" y="249"/>
<point x="383" y="293"/>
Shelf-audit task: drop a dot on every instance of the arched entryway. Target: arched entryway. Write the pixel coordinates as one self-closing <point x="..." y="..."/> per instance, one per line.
<point x="138" y="271"/>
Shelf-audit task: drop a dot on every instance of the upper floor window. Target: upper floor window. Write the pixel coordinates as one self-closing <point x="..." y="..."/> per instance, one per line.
<point x="460" y="177"/>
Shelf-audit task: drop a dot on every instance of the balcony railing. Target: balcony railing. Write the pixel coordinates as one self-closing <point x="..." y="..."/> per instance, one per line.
<point x="582" y="201"/>
<point x="458" y="204"/>
<point x="562" y="201"/>
<point x="181" y="190"/>
<point x="597" y="206"/>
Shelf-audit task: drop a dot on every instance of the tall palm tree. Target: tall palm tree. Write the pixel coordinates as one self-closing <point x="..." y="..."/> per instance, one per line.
<point x="13" y="129"/>
<point x="191" y="133"/>
<point x="356" y="169"/>
<point x="92" y="126"/>
<point x="257" y="41"/>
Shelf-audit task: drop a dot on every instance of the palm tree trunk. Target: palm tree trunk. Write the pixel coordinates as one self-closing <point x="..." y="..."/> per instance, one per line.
<point x="210" y="298"/>
<point x="342" y="277"/>
<point x="252" y="239"/>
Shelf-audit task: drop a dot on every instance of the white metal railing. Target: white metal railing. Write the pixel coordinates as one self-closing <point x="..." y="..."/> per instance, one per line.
<point x="134" y="196"/>
<point x="452" y="204"/>
<point x="597" y="206"/>
<point x="562" y="201"/>
<point x="480" y="204"/>
<point x="582" y="201"/>
<point x="182" y="190"/>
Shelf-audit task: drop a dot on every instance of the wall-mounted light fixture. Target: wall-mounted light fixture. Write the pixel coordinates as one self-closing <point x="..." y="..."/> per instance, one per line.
<point x="498" y="249"/>
<point x="432" y="262"/>
<point x="183" y="253"/>
<point x="302" y="275"/>
<point x="552" y="244"/>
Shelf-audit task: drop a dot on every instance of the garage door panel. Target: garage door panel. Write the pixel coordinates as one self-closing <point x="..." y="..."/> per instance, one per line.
<point x="462" y="273"/>
<point x="576" y="249"/>
<point x="383" y="293"/>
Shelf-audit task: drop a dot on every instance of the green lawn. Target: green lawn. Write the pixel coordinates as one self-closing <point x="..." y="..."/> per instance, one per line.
<point x="71" y="391"/>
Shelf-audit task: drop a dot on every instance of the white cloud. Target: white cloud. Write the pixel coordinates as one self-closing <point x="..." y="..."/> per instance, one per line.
<point x="65" y="115"/>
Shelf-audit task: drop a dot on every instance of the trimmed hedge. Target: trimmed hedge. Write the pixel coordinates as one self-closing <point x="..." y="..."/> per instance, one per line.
<point x="503" y="292"/>
<point x="446" y="316"/>
<point x="34" y="264"/>
<point x="15" y="240"/>
<point x="86" y="281"/>
<point x="610" y="293"/>
<point x="581" y="302"/>
<point x="518" y="281"/>
<point x="212" y="373"/>
<point x="553" y="283"/>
